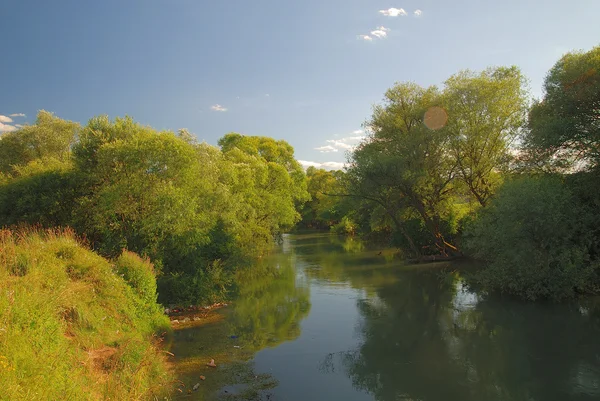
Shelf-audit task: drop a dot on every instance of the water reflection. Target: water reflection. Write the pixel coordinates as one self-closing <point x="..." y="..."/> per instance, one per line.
<point x="270" y="303"/>
<point x="329" y="318"/>
<point x="424" y="336"/>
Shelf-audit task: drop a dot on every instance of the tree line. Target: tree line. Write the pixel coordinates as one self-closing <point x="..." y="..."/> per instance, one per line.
<point x="197" y="211"/>
<point x="473" y="167"/>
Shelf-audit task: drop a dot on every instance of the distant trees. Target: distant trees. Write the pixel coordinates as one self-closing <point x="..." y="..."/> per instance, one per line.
<point x="49" y="138"/>
<point x="324" y="209"/>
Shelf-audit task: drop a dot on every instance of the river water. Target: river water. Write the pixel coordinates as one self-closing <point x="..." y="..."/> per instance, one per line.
<point x="327" y="318"/>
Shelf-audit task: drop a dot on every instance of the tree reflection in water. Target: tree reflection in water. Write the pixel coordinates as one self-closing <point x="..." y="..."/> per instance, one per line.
<point x="426" y="337"/>
<point x="271" y="302"/>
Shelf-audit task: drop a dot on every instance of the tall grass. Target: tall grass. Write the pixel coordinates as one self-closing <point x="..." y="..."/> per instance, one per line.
<point x="72" y="327"/>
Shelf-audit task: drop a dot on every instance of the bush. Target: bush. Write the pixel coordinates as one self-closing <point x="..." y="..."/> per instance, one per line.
<point x="139" y="274"/>
<point x="344" y="227"/>
<point x="534" y="238"/>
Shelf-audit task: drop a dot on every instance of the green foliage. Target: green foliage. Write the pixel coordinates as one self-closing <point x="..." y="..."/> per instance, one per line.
<point x="326" y="205"/>
<point x="533" y="236"/>
<point x="485" y="113"/>
<point x="71" y="328"/>
<point x="267" y="185"/>
<point x="41" y="192"/>
<point x="139" y="274"/>
<point x="49" y="137"/>
<point x="563" y="130"/>
<point x="191" y="208"/>
<point x="344" y="227"/>
<point x="404" y="167"/>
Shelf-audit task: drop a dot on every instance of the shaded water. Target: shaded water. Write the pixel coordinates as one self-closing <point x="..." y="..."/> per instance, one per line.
<point x="326" y="318"/>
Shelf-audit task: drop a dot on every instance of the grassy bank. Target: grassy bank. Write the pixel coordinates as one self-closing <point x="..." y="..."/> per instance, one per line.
<point x="74" y="326"/>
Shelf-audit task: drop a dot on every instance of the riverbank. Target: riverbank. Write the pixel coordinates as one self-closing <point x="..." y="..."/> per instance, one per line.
<point x="210" y="362"/>
<point x="74" y="325"/>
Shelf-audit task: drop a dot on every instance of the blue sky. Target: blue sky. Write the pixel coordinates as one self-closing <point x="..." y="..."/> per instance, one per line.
<point x="293" y="70"/>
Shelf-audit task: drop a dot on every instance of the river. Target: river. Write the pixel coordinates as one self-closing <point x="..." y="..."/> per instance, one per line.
<point x="328" y="318"/>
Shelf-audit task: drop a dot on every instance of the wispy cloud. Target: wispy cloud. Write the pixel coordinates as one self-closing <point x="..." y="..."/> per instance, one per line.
<point x="324" y="165"/>
<point x="5" y="119"/>
<point x="218" y="107"/>
<point x="380" y="32"/>
<point x="18" y="126"/>
<point x="418" y="13"/>
<point x="327" y="149"/>
<point x="7" y="128"/>
<point x="339" y="144"/>
<point x="393" y="12"/>
<point x="346" y="143"/>
<point x="17" y="115"/>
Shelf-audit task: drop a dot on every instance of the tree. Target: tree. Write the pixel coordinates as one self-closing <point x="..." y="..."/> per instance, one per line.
<point x="267" y="184"/>
<point x="564" y="127"/>
<point x="49" y="137"/>
<point x="324" y="209"/>
<point x="485" y="114"/>
<point x="403" y="166"/>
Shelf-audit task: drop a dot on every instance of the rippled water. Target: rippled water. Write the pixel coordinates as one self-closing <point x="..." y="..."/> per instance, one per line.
<point x="326" y="318"/>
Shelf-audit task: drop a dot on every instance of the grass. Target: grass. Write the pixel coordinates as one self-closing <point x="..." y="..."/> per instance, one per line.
<point x="72" y="328"/>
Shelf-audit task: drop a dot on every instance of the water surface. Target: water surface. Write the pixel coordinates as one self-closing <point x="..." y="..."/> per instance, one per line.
<point x="327" y="318"/>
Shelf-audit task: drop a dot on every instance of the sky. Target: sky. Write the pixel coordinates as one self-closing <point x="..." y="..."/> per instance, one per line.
<point x="304" y="71"/>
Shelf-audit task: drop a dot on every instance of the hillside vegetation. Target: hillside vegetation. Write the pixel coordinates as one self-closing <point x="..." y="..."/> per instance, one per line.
<point x="76" y="326"/>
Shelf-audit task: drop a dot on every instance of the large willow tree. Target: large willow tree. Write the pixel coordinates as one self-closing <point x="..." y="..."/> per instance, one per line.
<point x="403" y="166"/>
<point x="431" y="151"/>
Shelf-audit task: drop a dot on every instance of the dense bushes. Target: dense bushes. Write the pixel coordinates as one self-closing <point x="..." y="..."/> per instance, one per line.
<point x="535" y="239"/>
<point x="71" y="327"/>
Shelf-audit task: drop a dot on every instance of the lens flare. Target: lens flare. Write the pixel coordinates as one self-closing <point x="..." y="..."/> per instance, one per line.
<point x="435" y="118"/>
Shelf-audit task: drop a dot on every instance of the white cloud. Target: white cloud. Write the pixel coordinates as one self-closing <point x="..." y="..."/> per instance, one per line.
<point x="346" y="143"/>
<point x="5" y="119"/>
<point x="17" y="115"/>
<point x="366" y="38"/>
<point x="326" y="149"/>
<point x="339" y="144"/>
<point x="324" y="165"/>
<point x="393" y="12"/>
<point x="7" y="128"/>
<point x="18" y="126"/>
<point x="218" y="107"/>
<point x="380" y="32"/>
<point x="418" y="13"/>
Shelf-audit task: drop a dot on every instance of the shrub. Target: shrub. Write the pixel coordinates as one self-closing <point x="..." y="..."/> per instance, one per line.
<point x="534" y="239"/>
<point x="344" y="227"/>
<point x="139" y="274"/>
